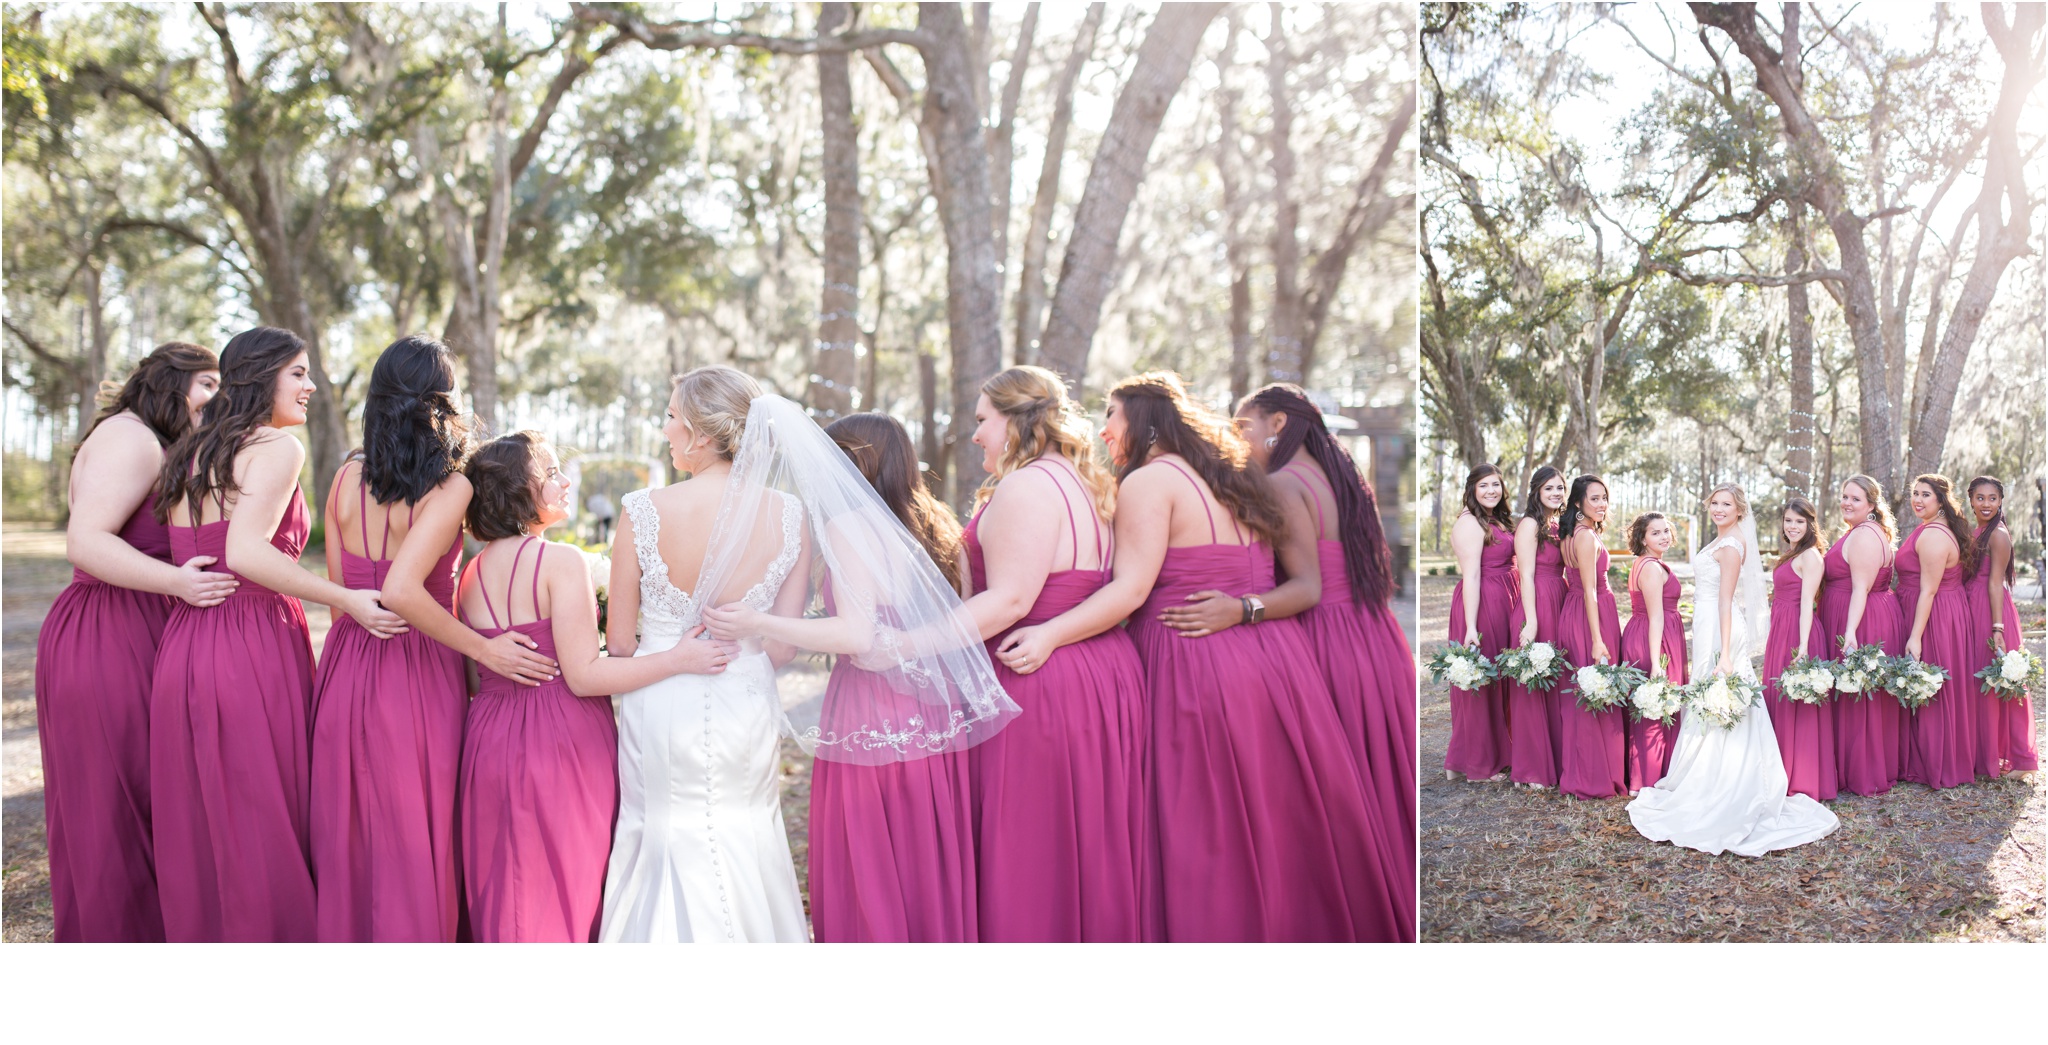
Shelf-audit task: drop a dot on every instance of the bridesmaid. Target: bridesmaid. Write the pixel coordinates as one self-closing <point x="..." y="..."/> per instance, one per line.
<point x="1935" y="560"/>
<point x="1653" y="640"/>
<point x="98" y="644"/>
<point x="387" y="715"/>
<point x="1261" y="823"/>
<point x="1365" y="658"/>
<point x="1059" y="795"/>
<point x="1857" y="606"/>
<point x="892" y="845"/>
<point x="1535" y="743"/>
<point x="1482" y="606"/>
<point x="1594" y="762"/>
<point x="230" y="694"/>
<point x="1806" y="733"/>
<point x="539" y="777"/>
<point x="2005" y="729"/>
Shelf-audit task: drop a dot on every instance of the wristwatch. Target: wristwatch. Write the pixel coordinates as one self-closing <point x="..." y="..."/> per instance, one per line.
<point x="1254" y="609"/>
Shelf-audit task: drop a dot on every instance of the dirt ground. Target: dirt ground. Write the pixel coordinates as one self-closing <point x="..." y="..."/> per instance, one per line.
<point x="32" y="572"/>
<point x="1501" y="863"/>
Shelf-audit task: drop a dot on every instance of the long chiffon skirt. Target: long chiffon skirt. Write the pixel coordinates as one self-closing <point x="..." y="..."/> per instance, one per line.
<point x="387" y="749"/>
<point x="1263" y="829"/>
<point x="540" y="790"/>
<point x="229" y="771"/>
<point x="1594" y="759"/>
<point x="1942" y="752"/>
<point x="1059" y="800"/>
<point x="1806" y="732"/>
<point x="1371" y="673"/>
<point x="94" y="658"/>
<point x="1650" y="742"/>
<point x="1480" y="735"/>
<point x="1868" y="739"/>
<point x="891" y="845"/>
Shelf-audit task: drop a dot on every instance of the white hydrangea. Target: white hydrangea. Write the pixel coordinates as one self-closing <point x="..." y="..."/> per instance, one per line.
<point x="2014" y="666"/>
<point x="1541" y="654"/>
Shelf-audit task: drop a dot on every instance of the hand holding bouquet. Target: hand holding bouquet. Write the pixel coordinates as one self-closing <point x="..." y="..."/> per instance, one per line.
<point x="1462" y="666"/>
<point x="1658" y="698"/>
<point x="2012" y="674"/>
<point x="1914" y="682"/>
<point x="1537" y="665"/>
<point x="1862" y="670"/>
<point x="1604" y="687"/>
<point x="1808" y="680"/>
<point x="1722" y="699"/>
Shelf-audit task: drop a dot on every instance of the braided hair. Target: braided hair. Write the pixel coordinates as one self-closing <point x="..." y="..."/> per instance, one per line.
<point x="1997" y="520"/>
<point x="1368" y="563"/>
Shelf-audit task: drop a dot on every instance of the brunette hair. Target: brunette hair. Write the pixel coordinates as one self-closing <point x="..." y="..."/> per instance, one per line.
<point x="413" y="433"/>
<point x="1575" y="507"/>
<point x="1367" y="561"/>
<point x="503" y="502"/>
<point x="1534" y="508"/>
<point x="1803" y="508"/>
<point x="1639" y="531"/>
<point x="1998" y="520"/>
<point x="1041" y="417"/>
<point x="159" y="390"/>
<point x="1500" y="514"/>
<point x="201" y="463"/>
<point x="1952" y="515"/>
<point x="1158" y="413"/>
<point x="1875" y="495"/>
<point x="880" y="448"/>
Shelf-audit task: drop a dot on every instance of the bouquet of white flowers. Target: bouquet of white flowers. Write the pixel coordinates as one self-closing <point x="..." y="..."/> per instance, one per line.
<point x="1538" y="665"/>
<point x="1914" y="682"/>
<point x="1808" y="680"/>
<point x="1862" y="670"/>
<point x="1722" y="699"/>
<point x="600" y="567"/>
<point x="1657" y="698"/>
<point x="1604" y="687"/>
<point x="1462" y="666"/>
<point x="2012" y="674"/>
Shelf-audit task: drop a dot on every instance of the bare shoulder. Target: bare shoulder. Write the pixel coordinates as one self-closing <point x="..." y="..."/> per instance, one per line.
<point x="1151" y="483"/>
<point x="272" y="445"/>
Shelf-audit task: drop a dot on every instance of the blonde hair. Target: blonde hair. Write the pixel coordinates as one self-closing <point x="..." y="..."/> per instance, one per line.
<point x="1734" y="491"/>
<point x="1875" y="495"/>
<point x="1041" y="418"/>
<point x="714" y="400"/>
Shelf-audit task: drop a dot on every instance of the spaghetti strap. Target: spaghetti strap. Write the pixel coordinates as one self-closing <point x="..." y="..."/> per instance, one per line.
<point x="485" y="590"/>
<point x="538" y="554"/>
<point x="1207" y="515"/>
<point x="1305" y="475"/>
<point x="1072" y="528"/>
<point x="512" y="577"/>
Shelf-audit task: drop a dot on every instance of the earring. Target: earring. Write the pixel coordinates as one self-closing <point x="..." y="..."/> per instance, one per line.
<point x="1272" y="441"/>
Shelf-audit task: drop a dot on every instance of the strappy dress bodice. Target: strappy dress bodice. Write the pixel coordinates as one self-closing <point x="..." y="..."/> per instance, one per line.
<point x="1063" y="589"/>
<point x="364" y="572"/>
<point x="141" y="532"/>
<point x="1837" y="580"/>
<point x="541" y="630"/>
<point x="212" y="539"/>
<point x="1572" y="583"/>
<point x="1907" y="565"/>
<point x="1638" y="604"/>
<point x="1235" y="569"/>
<point x="1785" y="589"/>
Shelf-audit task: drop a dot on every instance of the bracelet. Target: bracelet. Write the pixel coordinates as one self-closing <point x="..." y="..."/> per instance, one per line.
<point x="1246" y="602"/>
<point x="2000" y="626"/>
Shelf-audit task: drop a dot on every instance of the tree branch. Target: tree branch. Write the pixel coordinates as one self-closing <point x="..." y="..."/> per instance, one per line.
<point x="36" y="348"/>
<point x="682" y="36"/>
<point x="1723" y="279"/>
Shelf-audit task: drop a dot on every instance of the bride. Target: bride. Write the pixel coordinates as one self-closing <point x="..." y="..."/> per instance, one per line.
<point x="1726" y="788"/>
<point x="700" y="852"/>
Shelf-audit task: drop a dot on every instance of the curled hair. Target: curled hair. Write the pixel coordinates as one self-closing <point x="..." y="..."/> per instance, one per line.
<point x="1997" y="520"/>
<point x="1734" y="491"/>
<point x="1041" y="418"/>
<point x="1878" y="512"/>
<point x="1159" y="414"/>
<point x="713" y="400"/>
<point x="201" y="464"/>
<point x="1500" y="514"/>
<point x="880" y="448"/>
<point x="1803" y="508"/>
<point x="1367" y="561"/>
<point x="1534" y="508"/>
<point x="1952" y="515"/>
<point x="1575" y="507"/>
<point x="413" y="433"/>
<point x="1639" y="531"/>
<point x="159" y="391"/>
<point x="504" y="501"/>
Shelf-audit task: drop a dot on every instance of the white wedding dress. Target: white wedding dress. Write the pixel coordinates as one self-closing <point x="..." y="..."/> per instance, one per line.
<point x="700" y="853"/>
<point x="1725" y="791"/>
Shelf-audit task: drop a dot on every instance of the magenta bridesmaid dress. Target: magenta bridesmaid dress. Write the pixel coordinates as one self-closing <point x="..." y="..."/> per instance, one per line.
<point x="1650" y="742"/>
<point x="892" y="844"/>
<point x="94" y="656"/>
<point x="1594" y="763"/>
<point x="1262" y="824"/>
<point x="228" y="758"/>
<point x="1806" y="733"/>
<point x="1535" y="741"/>
<point x="387" y="745"/>
<point x="1479" y="717"/>
<point x="2005" y="728"/>
<point x="1941" y="750"/>
<point x="1867" y="734"/>
<point x="539" y="791"/>
<point x="1370" y="669"/>
<point x="1059" y="801"/>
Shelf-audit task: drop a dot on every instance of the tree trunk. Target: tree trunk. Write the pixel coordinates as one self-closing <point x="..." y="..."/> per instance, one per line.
<point x="1229" y="166"/>
<point x="929" y="445"/>
<point x="1031" y="279"/>
<point x="1090" y="263"/>
<point x="1369" y="212"/>
<point x="1283" y="330"/>
<point x="972" y="282"/>
<point x="1456" y="383"/>
<point x="833" y="369"/>
<point x="1799" y="327"/>
<point x="1002" y="152"/>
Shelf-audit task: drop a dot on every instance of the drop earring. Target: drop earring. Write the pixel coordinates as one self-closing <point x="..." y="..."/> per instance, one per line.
<point x="1272" y="441"/>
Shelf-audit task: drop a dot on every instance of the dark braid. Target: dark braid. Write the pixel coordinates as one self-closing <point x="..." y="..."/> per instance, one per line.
<point x="1368" y="564"/>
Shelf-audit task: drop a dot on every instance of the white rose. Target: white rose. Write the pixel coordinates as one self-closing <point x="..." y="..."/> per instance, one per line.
<point x="2013" y="666"/>
<point x="1588" y="679"/>
<point x="1540" y="655"/>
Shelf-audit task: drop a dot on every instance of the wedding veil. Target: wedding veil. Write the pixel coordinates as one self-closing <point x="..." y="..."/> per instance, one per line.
<point x="929" y="687"/>
<point x="1750" y="589"/>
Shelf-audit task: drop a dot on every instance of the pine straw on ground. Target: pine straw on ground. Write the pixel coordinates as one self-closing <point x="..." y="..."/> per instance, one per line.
<point x="1501" y="863"/>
